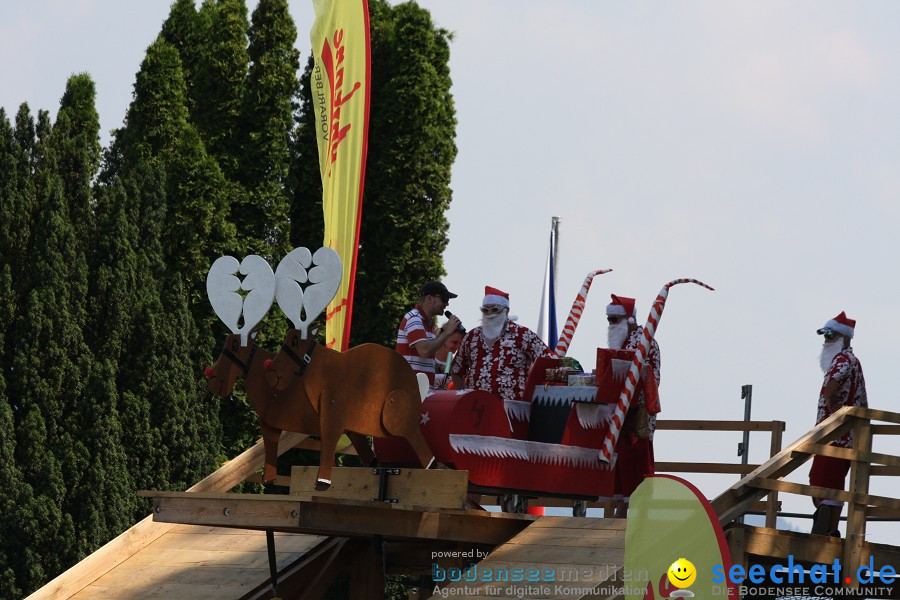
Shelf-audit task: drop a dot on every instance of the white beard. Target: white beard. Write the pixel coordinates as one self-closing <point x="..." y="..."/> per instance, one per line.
<point x="492" y="326"/>
<point x="617" y="335"/>
<point x="829" y="351"/>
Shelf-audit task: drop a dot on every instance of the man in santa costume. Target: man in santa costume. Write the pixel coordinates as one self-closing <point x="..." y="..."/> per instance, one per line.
<point x="496" y="356"/>
<point x="417" y="341"/>
<point x="634" y="448"/>
<point x="843" y="385"/>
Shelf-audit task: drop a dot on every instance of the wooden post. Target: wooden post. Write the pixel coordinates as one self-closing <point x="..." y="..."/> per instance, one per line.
<point x="772" y="501"/>
<point x="856" y="511"/>
<point x="367" y="571"/>
<point x="737" y="545"/>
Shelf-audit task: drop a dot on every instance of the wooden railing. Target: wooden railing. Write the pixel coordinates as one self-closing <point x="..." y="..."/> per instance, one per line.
<point x="776" y="429"/>
<point x="767" y="478"/>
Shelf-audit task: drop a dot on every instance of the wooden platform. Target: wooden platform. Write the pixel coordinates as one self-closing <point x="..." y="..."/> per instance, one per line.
<point x="559" y="557"/>
<point x="346" y="518"/>
<point x="199" y="563"/>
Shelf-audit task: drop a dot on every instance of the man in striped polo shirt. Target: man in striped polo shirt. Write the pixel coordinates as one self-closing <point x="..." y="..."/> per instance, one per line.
<point x="417" y="341"/>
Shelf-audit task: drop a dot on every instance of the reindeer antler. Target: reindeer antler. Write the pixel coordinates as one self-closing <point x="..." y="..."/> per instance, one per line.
<point x="222" y="287"/>
<point x="324" y="280"/>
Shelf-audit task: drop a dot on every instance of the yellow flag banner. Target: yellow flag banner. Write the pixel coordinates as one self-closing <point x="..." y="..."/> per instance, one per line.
<point x="340" y="88"/>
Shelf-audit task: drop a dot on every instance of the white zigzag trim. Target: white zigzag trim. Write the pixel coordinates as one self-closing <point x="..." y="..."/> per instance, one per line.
<point x="534" y="452"/>
<point x="560" y="455"/>
<point x="594" y="416"/>
<point x="492" y="446"/>
<point x="564" y="394"/>
<point x="620" y="368"/>
<point x="518" y="410"/>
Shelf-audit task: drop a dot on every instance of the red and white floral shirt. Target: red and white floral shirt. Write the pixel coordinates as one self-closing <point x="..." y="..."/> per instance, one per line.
<point x="499" y="368"/>
<point x="652" y="361"/>
<point x="846" y="370"/>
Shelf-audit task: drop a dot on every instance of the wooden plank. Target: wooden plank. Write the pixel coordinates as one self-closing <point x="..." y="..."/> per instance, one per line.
<point x="778" y="545"/>
<point x="885" y="429"/>
<point x="367" y="575"/>
<point x="734" y="501"/>
<point x="249" y="541"/>
<point x="308" y="578"/>
<point x="693" y="425"/>
<point x="439" y="488"/>
<point x="161" y="592"/>
<point x="580" y="523"/>
<point x="698" y="467"/>
<point x="336" y="517"/>
<point x="772" y="503"/>
<point x="820" y="492"/>
<point x="873" y="414"/>
<point x="880" y="471"/>
<point x="850" y="454"/>
<point x="147" y="530"/>
<point x="856" y="512"/>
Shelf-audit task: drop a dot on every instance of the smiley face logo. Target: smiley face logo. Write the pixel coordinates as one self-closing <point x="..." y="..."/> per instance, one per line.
<point x="682" y="573"/>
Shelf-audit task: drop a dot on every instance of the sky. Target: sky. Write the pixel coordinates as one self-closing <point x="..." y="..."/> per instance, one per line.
<point x="752" y="146"/>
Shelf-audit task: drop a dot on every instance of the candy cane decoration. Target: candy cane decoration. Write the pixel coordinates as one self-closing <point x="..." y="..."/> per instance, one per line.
<point x="562" y="346"/>
<point x="618" y="418"/>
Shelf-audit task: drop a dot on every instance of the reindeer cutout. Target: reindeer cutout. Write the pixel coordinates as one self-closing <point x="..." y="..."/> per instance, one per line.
<point x="242" y="358"/>
<point x="369" y="389"/>
<point x="323" y="280"/>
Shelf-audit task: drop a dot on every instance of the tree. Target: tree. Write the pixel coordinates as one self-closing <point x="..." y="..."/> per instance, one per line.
<point x="266" y="122"/>
<point x="49" y="360"/>
<point x="197" y="195"/>
<point x="186" y="30"/>
<point x="407" y="187"/>
<point x="219" y="80"/>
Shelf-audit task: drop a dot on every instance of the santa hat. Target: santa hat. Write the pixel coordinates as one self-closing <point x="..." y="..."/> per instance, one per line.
<point x="840" y="324"/>
<point x="493" y="296"/>
<point x="621" y="307"/>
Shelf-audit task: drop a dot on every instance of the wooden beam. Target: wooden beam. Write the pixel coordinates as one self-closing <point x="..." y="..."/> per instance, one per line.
<point x="437" y="488"/>
<point x="874" y="414"/>
<point x="777" y="545"/>
<point x="692" y="425"/>
<point x="695" y="467"/>
<point x="859" y="484"/>
<point x="734" y="501"/>
<point x="146" y="531"/>
<point x="885" y="429"/>
<point x="311" y="573"/>
<point x="366" y="571"/>
<point x="338" y="517"/>
<point x="828" y="493"/>
<point x="855" y="454"/>
<point x="773" y="505"/>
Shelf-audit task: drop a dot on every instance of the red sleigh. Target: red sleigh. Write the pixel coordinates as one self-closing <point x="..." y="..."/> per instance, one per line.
<point x="544" y="445"/>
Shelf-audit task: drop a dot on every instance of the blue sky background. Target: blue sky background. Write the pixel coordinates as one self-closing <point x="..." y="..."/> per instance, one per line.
<point x="754" y="146"/>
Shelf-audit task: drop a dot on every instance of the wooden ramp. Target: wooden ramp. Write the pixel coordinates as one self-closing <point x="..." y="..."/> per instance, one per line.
<point x="162" y="560"/>
<point x="199" y="563"/>
<point x="554" y="557"/>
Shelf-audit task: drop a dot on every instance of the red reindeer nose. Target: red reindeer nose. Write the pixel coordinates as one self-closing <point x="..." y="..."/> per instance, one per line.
<point x="267" y="364"/>
<point x="208" y="371"/>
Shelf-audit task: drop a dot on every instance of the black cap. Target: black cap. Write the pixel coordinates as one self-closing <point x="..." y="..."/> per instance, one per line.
<point x="436" y="288"/>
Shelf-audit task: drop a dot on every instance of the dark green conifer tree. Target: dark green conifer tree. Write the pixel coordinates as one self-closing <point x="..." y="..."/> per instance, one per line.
<point x="10" y="477"/>
<point x="187" y="29"/>
<point x="266" y="122"/>
<point x="49" y="361"/>
<point x="219" y="80"/>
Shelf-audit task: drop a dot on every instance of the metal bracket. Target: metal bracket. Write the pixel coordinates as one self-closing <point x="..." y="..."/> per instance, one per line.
<point x="383" y="474"/>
